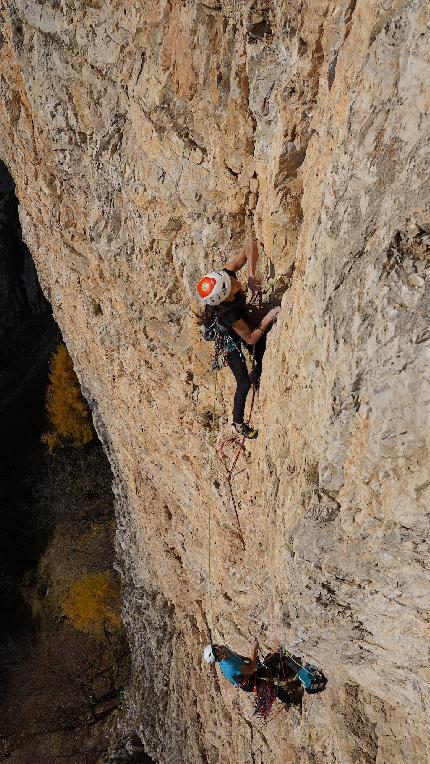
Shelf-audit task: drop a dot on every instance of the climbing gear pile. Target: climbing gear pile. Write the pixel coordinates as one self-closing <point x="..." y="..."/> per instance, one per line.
<point x="265" y="696"/>
<point x="283" y="684"/>
<point x="271" y="682"/>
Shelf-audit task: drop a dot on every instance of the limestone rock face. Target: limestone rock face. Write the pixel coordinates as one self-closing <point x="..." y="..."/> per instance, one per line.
<point x="147" y="141"/>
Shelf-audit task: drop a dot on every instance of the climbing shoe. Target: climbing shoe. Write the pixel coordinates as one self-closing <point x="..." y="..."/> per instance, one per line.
<point x="245" y="430"/>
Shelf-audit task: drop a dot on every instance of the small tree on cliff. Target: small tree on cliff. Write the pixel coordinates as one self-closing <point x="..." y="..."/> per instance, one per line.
<point x="68" y="412"/>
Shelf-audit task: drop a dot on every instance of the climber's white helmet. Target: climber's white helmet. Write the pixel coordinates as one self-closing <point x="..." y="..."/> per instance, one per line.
<point x="208" y="654"/>
<point x="214" y="288"/>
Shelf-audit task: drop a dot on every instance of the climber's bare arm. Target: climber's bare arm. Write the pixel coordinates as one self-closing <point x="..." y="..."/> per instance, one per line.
<point x="245" y="332"/>
<point x="252" y="257"/>
<point x="249" y="254"/>
<point x="252" y="336"/>
<point x="247" y="669"/>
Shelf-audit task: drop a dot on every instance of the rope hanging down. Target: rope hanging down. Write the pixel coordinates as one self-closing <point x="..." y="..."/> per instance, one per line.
<point x="229" y="472"/>
<point x="211" y="468"/>
<point x="232" y="439"/>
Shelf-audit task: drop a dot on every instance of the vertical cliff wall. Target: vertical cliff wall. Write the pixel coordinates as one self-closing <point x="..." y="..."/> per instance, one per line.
<point x="142" y="140"/>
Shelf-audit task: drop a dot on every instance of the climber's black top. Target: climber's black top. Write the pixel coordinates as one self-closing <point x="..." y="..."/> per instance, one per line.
<point x="230" y="312"/>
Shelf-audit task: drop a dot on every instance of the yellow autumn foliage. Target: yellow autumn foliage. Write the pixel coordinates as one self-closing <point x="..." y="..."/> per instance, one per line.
<point x="93" y="602"/>
<point x="67" y="410"/>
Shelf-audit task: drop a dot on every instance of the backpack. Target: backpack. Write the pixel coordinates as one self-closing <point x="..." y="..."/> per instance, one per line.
<point x="312" y="679"/>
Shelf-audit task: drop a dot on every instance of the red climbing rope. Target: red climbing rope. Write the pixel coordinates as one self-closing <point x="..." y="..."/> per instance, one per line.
<point x="257" y="296"/>
<point x="230" y="472"/>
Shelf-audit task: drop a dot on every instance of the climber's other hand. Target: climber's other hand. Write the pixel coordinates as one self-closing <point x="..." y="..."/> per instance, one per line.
<point x="274" y="313"/>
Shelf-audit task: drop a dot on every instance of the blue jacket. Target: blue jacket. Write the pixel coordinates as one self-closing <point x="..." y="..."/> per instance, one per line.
<point x="231" y="667"/>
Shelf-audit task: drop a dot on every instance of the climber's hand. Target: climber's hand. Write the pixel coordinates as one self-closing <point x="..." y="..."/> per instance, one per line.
<point x="254" y="285"/>
<point x="273" y="314"/>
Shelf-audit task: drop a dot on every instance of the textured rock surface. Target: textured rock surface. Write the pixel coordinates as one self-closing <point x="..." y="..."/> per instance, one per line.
<point x="139" y="140"/>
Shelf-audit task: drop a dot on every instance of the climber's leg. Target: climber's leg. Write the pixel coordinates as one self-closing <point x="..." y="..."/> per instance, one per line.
<point x="238" y="366"/>
<point x="259" y="349"/>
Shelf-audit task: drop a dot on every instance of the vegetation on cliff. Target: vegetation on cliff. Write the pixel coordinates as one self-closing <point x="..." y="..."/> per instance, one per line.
<point x="93" y="603"/>
<point x="68" y="412"/>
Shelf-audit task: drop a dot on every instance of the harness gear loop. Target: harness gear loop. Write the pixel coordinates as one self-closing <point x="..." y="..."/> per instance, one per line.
<point x="224" y="344"/>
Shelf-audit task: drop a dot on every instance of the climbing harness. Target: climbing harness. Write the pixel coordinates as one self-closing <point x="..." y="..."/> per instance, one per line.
<point x="265" y="698"/>
<point x="266" y="685"/>
<point x="224" y="343"/>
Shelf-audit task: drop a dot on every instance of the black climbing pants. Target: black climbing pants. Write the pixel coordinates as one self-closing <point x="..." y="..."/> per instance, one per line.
<point x="244" y="380"/>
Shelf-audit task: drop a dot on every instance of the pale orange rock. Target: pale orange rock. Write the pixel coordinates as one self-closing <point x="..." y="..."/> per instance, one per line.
<point x="141" y="137"/>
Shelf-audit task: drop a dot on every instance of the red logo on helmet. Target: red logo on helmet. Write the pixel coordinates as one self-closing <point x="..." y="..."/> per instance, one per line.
<point x="205" y="286"/>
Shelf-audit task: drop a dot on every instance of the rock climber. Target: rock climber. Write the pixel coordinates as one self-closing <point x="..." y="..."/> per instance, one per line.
<point x="251" y="674"/>
<point x="225" y="307"/>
